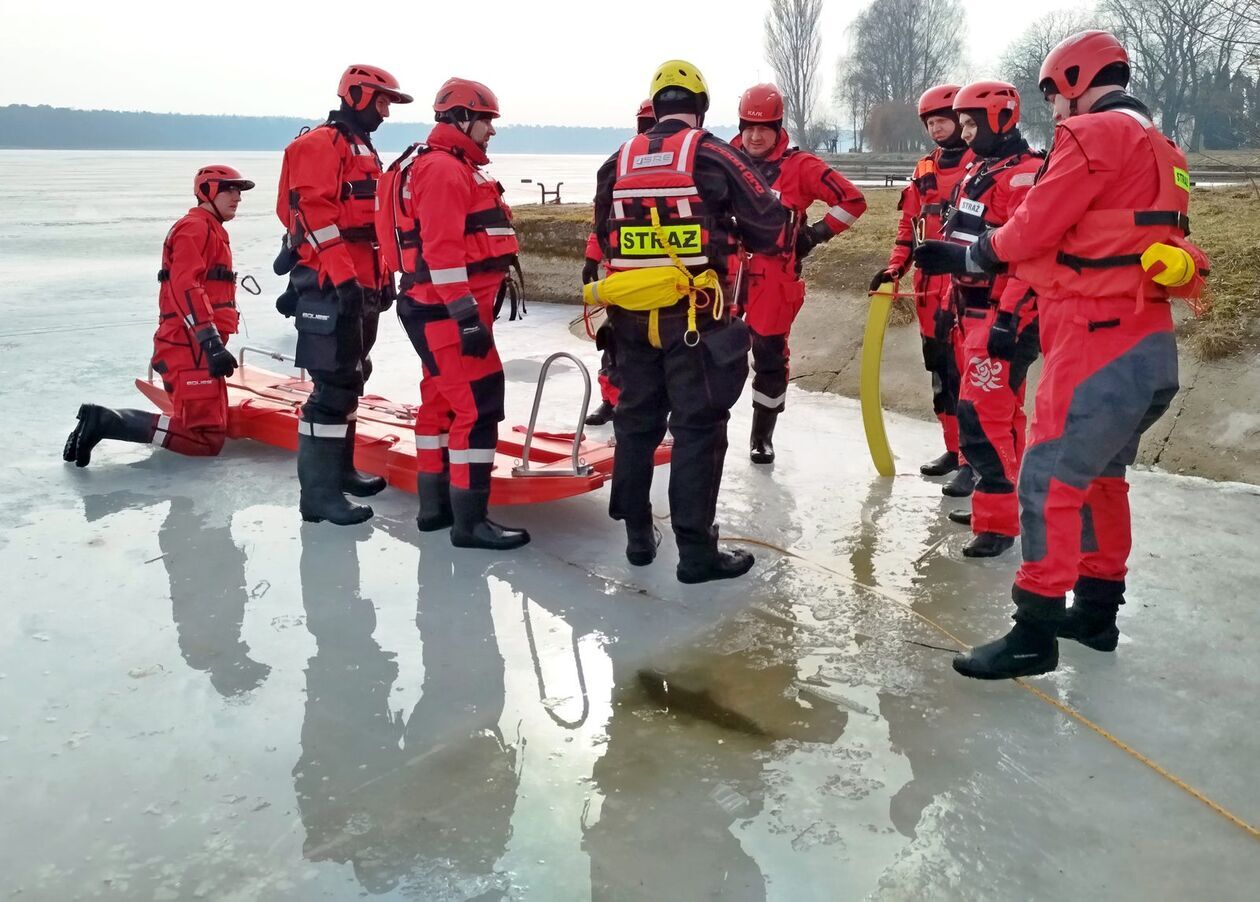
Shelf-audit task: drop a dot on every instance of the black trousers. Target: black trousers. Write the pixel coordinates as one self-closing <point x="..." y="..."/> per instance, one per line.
<point x="691" y="391"/>
<point x="333" y="347"/>
<point x="770" y="371"/>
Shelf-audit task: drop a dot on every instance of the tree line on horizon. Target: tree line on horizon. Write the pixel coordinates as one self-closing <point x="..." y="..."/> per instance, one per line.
<point x="58" y="128"/>
<point x="1196" y="64"/>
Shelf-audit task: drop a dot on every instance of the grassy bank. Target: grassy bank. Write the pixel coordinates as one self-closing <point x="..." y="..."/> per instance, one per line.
<point x="1222" y="224"/>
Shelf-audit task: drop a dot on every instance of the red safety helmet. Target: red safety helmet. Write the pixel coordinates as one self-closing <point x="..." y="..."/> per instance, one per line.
<point x="210" y="180"/>
<point x="645" y="110"/>
<point x="1070" y="67"/>
<point x="936" y="99"/>
<point x="993" y="98"/>
<point x="762" y="104"/>
<point x="466" y="94"/>
<point x="370" y="80"/>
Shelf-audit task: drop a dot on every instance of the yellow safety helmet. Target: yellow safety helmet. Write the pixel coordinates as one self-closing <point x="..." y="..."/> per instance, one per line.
<point x="680" y="74"/>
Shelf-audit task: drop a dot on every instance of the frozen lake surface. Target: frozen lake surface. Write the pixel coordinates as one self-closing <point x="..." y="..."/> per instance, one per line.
<point x="203" y="698"/>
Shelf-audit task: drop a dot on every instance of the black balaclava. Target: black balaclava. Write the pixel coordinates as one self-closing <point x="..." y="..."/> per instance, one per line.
<point x="668" y="101"/>
<point x="987" y="143"/>
<point x="953" y="147"/>
<point x="365" y="121"/>
<point x="777" y="125"/>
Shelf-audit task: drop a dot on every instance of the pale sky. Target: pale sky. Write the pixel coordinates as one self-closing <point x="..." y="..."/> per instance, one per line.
<point x="558" y="63"/>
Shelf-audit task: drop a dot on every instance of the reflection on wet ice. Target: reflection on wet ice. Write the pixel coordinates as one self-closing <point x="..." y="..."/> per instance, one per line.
<point x="350" y="739"/>
<point x="206" y="569"/>
<point x="208" y="597"/>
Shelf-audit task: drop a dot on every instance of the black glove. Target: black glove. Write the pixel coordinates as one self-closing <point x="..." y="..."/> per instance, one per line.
<point x="286" y="304"/>
<point x="352" y="297"/>
<point x="219" y="360"/>
<point x="1002" y="336"/>
<point x="937" y="257"/>
<point x="286" y="259"/>
<point x="884" y="275"/>
<point x="944" y="320"/>
<point x="810" y="237"/>
<point x="387" y="295"/>
<point x="475" y="339"/>
<point x="590" y="271"/>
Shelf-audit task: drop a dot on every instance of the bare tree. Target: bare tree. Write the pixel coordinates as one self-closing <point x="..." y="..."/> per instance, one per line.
<point x="793" y="47"/>
<point x="852" y="99"/>
<point x="1021" y="65"/>
<point x="1191" y="61"/>
<point x="898" y="49"/>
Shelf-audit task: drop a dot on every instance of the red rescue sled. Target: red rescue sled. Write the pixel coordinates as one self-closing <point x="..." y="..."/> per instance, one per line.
<point x="529" y="467"/>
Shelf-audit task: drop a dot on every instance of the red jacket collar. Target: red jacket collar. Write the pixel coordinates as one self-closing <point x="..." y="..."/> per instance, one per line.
<point x="447" y="137"/>
<point x="779" y="149"/>
<point x="215" y="222"/>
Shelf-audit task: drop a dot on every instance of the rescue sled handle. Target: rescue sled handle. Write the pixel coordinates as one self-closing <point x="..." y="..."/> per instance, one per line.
<point x="274" y="355"/>
<point x="578" y="467"/>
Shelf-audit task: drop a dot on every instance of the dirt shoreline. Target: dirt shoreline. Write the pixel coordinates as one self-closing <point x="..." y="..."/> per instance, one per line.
<point x="1212" y="430"/>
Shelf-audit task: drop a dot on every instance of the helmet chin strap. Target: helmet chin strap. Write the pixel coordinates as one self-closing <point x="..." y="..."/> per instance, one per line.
<point x="214" y="207"/>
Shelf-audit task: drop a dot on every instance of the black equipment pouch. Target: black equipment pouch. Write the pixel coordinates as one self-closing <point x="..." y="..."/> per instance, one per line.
<point x="727" y="344"/>
<point x="317" y="314"/>
<point x="317" y="307"/>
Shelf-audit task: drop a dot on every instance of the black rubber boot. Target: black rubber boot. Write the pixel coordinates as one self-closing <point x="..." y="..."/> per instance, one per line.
<point x="641" y="544"/>
<point x="1091" y="620"/>
<point x="601" y="414"/>
<point x="962" y="485"/>
<point x="941" y="466"/>
<point x="701" y="566"/>
<point x="320" y="462"/>
<point x="761" y="442"/>
<point x="434" y="490"/>
<point x="1028" y="649"/>
<point x="360" y="485"/>
<point x="988" y="544"/>
<point x="473" y="529"/>
<point x="960" y="516"/>
<point x="97" y="423"/>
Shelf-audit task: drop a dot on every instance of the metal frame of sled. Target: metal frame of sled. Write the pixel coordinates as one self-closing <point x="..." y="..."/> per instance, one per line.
<point x="265" y="406"/>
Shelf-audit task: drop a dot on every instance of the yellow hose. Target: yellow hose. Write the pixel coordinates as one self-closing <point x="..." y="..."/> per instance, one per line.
<point x="868" y="390"/>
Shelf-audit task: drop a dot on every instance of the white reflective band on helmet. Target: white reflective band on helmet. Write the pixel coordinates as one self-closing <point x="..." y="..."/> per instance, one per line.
<point x="449" y="276"/>
<point x="685" y="153"/>
<point x="655" y="192"/>
<point x="323" y="430"/>
<point x="472" y="456"/>
<point x="501" y="231"/>
<point x="323" y="236"/>
<point x="842" y="214"/>
<point x="646" y="262"/>
<point x="684" y="208"/>
<point x="767" y="401"/>
<point x="432" y="442"/>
